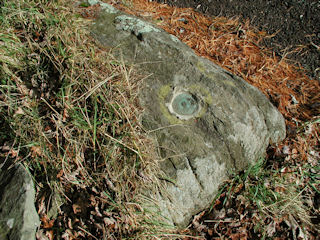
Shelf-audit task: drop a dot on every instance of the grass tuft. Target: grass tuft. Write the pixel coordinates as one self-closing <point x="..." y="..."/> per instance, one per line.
<point x="73" y="110"/>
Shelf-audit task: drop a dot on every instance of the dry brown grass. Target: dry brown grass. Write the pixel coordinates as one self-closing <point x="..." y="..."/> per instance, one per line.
<point x="74" y="113"/>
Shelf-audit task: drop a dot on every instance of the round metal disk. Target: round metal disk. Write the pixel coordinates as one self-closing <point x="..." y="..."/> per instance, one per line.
<point x="185" y="104"/>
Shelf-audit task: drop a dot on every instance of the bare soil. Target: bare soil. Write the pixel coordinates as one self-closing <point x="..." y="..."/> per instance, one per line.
<point x="295" y="25"/>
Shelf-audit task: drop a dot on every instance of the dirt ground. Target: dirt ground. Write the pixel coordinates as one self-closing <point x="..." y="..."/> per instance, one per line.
<point x="295" y="24"/>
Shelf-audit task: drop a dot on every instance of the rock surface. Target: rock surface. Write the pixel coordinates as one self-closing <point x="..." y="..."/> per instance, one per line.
<point x="206" y="121"/>
<point x="19" y="218"/>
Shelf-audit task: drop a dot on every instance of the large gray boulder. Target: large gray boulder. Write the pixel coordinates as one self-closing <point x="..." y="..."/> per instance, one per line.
<point x="18" y="216"/>
<point x="206" y="121"/>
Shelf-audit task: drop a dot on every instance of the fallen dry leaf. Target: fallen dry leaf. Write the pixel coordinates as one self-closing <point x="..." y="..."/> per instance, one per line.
<point x="110" y="222"/>
<point x="36" y="151"/>
<point x="271" y="229"/>
<point x="76" y="208"/>
<point x="196" y="222"/>
<point x="46" y="223"/>
<point x="41" y="235"/>
<point x="19" y="111"/>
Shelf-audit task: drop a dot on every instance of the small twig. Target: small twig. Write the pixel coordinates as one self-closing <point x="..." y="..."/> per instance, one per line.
<point x="116" y="140"/>
<point x="219" y="221"/>
<point x="93" y="89"/>
<point x="7" y="156"/>
<point x="316" y="46"/>
<point x="45" y="101"/>
<point x="87" y="232"/>
<point x="169" y="126"/>
<point x="293" y="199"/>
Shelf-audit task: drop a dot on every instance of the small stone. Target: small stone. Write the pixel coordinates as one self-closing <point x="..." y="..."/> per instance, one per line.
<point x="10" y="223"/>
<point x="17" y="208"/>
<point x="183" y="20"/>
